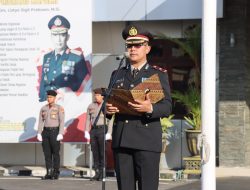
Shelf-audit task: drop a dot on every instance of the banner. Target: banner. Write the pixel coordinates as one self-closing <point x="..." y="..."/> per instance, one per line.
<point x="28" y="65"/>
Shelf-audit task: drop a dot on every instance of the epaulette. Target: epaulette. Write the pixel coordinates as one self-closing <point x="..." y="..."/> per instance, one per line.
<point x="77" y="52"/>
<point x="60" y="107"/>
<point x="122" y="68"/>
<point x="159" y="68"/>
<point x="48" y="52"/>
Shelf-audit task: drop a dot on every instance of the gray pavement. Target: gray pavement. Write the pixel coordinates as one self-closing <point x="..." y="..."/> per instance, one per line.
<point x="65" y="183"/>
<point x="227" y="179"/>
<point x="34" y="183"/>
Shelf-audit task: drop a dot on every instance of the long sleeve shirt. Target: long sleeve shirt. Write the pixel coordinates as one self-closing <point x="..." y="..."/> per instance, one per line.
<point x="92" y="112"/>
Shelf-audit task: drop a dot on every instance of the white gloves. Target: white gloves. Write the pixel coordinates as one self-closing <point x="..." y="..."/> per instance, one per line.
<point x="59" y="137"/>
<point x="39" y="137"/>
<point x="107" y="136"/>
<point x="87" y="135"/>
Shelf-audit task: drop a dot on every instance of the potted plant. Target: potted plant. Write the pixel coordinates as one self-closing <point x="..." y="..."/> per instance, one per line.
<point x="192" y="101"/>
<point x="192" y="97"/>
<point x="166" y="123"/>
<point x="191" y="45"/>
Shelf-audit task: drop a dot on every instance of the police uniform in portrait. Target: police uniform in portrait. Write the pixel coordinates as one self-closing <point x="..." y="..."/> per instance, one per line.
<point x="97" y="137"/>
<point x="50" y="132"/>
<point x="66" y="68"/>
<point x="137" y="140"/>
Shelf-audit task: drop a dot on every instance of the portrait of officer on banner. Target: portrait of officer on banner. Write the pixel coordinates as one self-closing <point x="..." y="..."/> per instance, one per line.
<point x="62" y="67"/>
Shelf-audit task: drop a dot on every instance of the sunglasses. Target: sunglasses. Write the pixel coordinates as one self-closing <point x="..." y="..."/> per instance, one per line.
<point x="137" y="46"/>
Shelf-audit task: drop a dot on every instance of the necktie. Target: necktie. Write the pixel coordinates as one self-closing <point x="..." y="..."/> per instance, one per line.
<point x="135" y="72"/>
<point x="58" y="57"/>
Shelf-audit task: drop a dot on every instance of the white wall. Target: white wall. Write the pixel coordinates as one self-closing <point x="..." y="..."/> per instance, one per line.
<point x="74" y="154"/>
<point x="18" y="154"/>
<point x="32" y="154"/>
<point x="113" y="10"/>
<point x="107" y="38"/>
<point x="177" y="148"/>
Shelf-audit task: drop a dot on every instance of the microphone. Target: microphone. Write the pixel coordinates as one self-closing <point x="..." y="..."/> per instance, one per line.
<point x="125" y="55"/>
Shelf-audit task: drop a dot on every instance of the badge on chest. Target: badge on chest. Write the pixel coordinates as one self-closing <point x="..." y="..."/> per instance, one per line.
<point x="53" y="114"/>
<point x="119" y="83"/>
<point x="68" y="67"/>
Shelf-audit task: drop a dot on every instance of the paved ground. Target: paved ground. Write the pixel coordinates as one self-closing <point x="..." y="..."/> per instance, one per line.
<point x="227" y="179"/>
<point x="34" y="183"/>
<point x="65" y="183"/>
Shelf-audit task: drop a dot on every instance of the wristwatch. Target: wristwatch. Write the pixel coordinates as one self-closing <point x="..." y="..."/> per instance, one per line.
<point x="149" y="114"/>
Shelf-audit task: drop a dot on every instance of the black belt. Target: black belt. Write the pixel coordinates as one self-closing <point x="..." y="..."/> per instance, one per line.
<point x="51" y="128"/>
<point x="98" y="126"/>
<point x="134" y="118"/>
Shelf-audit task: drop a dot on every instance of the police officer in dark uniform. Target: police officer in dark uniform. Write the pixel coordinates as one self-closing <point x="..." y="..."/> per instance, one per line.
<point x="96" y="133"/>
<point x="62" y="67"/>
<point x="50" y="132"/>
<point x="137" y="140"/>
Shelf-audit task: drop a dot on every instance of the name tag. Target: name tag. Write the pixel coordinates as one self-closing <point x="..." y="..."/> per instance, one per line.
<point x="143" y="79"/>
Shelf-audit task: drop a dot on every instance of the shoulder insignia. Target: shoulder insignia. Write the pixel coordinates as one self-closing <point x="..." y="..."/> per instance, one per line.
<point x="92" y="105"/>
<point x="61" y="109"/>
<point x="114" y="71"/>
<point x="160" y="69"/>
<point x="48" y="53"/>
<point x="67" y="51"/>
<point x="77" y="52"/>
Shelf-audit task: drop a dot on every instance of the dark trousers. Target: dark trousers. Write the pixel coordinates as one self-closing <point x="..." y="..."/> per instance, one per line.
<point x="97" y="137"/>
<point x="51" y="148"/>
<point x="139" y="166"/>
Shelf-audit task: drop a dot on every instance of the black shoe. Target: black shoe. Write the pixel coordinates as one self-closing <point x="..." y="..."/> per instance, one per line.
<point x="96" y="176"/>
<point x="56" y="174"/>
<point x="48" y="175"/>
<point x="100" y="176"/>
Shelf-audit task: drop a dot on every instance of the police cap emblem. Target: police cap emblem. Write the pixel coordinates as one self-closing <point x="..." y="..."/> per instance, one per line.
<point x="133" y="31"/>
<point x="58" y="22"/>
<point x="136" y="34"/>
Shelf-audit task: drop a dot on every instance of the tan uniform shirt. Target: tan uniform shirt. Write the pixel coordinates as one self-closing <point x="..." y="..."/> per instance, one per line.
<point x="51" y="117"/>
<point x="92" y="113"/>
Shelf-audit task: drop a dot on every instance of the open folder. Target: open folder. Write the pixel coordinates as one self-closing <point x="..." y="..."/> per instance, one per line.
<point x="120" y="97"/>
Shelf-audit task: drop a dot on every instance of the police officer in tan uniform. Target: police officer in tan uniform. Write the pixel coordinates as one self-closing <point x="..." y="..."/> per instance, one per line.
<point x="96" y="134"/>
<point x="50" y="132"/>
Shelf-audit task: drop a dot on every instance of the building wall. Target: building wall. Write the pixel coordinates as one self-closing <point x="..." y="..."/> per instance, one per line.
<point x="113" y="10"/>
<point x="248" y="82"/>
<point x="108" y="44"/>
<point x="234" y="126"/>
<point x="32" y="154"/>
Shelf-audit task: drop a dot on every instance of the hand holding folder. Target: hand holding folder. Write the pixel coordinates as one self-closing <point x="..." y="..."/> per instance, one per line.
<point x="152" y="86"/>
